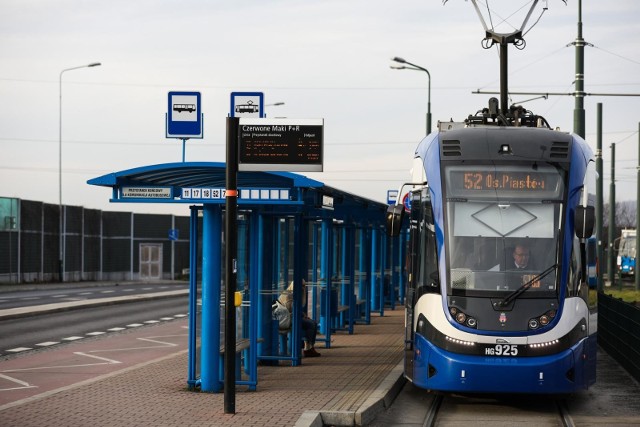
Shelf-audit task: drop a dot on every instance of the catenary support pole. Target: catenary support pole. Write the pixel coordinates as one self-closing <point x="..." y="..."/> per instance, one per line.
<point x="635" y="272"/>
<point x="599" y="199"/>
<point x="578" y="112"/>
<point x="611" y="267"/>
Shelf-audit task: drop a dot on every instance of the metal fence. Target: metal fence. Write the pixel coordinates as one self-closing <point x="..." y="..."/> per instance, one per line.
<point x="97" y="245"/>
<point x="619" y="332"/>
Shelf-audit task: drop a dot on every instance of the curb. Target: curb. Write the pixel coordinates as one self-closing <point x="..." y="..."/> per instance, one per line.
<point x="12" y="287"/>
<point x="381" y="398"/>
<point x="14" y="313"/>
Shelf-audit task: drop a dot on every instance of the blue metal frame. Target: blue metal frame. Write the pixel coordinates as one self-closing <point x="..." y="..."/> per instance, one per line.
<point x="211" y="281"/>
<point x="192" y="380"/>
<point x="259" y="264"/>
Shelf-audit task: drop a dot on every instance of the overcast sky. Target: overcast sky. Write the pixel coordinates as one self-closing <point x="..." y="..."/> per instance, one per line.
<point x="324" y="59"/>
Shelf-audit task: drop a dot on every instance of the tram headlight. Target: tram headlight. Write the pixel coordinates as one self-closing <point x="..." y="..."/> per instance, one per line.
<point x="542" y="320"/>
<point x="463" y="318"/>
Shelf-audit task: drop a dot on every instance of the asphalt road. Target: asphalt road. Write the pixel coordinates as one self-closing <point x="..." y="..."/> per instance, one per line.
<point x="44" y="330"/>
<point x="35" y="319"/>
<point x="17" y="298"/>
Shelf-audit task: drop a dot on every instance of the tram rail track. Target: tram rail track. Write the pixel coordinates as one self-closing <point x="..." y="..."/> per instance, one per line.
<point x="432" y="413"/>
<point x="565" y="417"/>
<point x="557" y="412"/>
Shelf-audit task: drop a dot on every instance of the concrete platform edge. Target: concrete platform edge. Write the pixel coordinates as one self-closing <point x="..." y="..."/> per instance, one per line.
<point x="380" y="399"/>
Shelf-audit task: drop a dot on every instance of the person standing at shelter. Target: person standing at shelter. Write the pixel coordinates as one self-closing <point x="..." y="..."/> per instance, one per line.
<point x="309" y="326"/>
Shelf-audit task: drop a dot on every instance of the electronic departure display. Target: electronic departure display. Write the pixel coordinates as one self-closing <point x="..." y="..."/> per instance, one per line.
<point x="484" y="180"/>
<point x="294" y="145"/>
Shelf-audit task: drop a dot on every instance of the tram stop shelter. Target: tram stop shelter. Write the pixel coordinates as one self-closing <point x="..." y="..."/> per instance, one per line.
<point x="290" y="228"/>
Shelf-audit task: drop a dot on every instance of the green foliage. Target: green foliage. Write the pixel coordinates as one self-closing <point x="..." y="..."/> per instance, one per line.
<point x="627" y="294"/>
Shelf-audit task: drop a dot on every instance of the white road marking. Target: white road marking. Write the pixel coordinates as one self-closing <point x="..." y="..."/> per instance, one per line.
<point x="151" y="321"/>
<point x="101" y="360"/>
<point x="134" y="325"/>
<point x="116" y="329"/>
<point x="18" y="349"/>
<point x="72" y="338"/>
<point x="79" y="353"/>
<point x="149" y="339"/>
<point x="24" y="384"/>
<point x="93" y="334"/>
<point x="48" y="343"/>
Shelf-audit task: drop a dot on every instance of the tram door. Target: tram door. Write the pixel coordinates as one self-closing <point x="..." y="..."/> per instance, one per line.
<point x="150" y="261"/>
<point x="412" y="266"/>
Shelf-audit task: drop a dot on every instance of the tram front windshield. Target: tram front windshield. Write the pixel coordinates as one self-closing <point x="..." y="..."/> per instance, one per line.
<point x="503" y="223"/>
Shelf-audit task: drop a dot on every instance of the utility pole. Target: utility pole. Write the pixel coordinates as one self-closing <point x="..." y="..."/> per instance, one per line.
<point x="599" y="200"/>
<point x="611" y="266"/>
<point x="578" y="112"/>
<point x="636" y="275"/>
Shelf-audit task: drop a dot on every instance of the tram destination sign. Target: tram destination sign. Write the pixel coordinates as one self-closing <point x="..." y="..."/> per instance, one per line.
<point x="289" y="145"/>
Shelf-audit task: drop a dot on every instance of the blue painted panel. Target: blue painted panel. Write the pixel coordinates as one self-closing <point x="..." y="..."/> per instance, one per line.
<point x="464" y="373"/>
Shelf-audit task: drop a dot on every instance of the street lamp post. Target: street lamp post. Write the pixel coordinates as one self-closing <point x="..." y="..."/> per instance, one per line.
<point x="417" y="68"/>
<point x="275" y="104"/>
<point x="60" y="233"/>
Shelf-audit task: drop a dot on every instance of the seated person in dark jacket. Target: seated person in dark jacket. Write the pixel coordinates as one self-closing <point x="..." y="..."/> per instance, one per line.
<point x="521" y="256"/>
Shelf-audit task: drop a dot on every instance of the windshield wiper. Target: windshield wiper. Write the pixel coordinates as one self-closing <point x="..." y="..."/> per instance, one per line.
<point x="522" y="289"/>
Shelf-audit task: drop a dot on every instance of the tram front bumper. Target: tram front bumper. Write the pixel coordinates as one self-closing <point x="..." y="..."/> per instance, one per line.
<point x="437" y="369"/>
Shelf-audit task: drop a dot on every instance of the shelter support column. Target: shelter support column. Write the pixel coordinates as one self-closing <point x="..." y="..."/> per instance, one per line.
<point x="211" y="280"/>
<point x="375" y="266"/>
<point x="300" y="234"/>
<point x="326" y="271"/>
<point x="384" y="265"/>
<point x="365" y="269"/>
<point x="193" y="295"/>
<point x="350" y="271"/>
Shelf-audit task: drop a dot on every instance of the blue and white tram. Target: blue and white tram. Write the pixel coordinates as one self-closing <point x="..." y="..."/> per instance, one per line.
<point x="474" y="323"/>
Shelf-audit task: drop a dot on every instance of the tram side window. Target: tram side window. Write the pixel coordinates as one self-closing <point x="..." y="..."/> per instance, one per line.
<point x="573" y="284"/>
<point x="428" y="281"/>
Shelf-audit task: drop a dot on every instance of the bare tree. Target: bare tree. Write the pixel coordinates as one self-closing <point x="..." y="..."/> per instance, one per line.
<point x="625" y="215"/>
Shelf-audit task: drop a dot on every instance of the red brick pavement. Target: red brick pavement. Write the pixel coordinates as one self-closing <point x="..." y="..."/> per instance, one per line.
<point x="155" y="393"/>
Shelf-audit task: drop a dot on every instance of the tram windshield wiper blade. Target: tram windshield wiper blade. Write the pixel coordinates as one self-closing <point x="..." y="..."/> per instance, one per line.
<point x="522" y="289"/>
